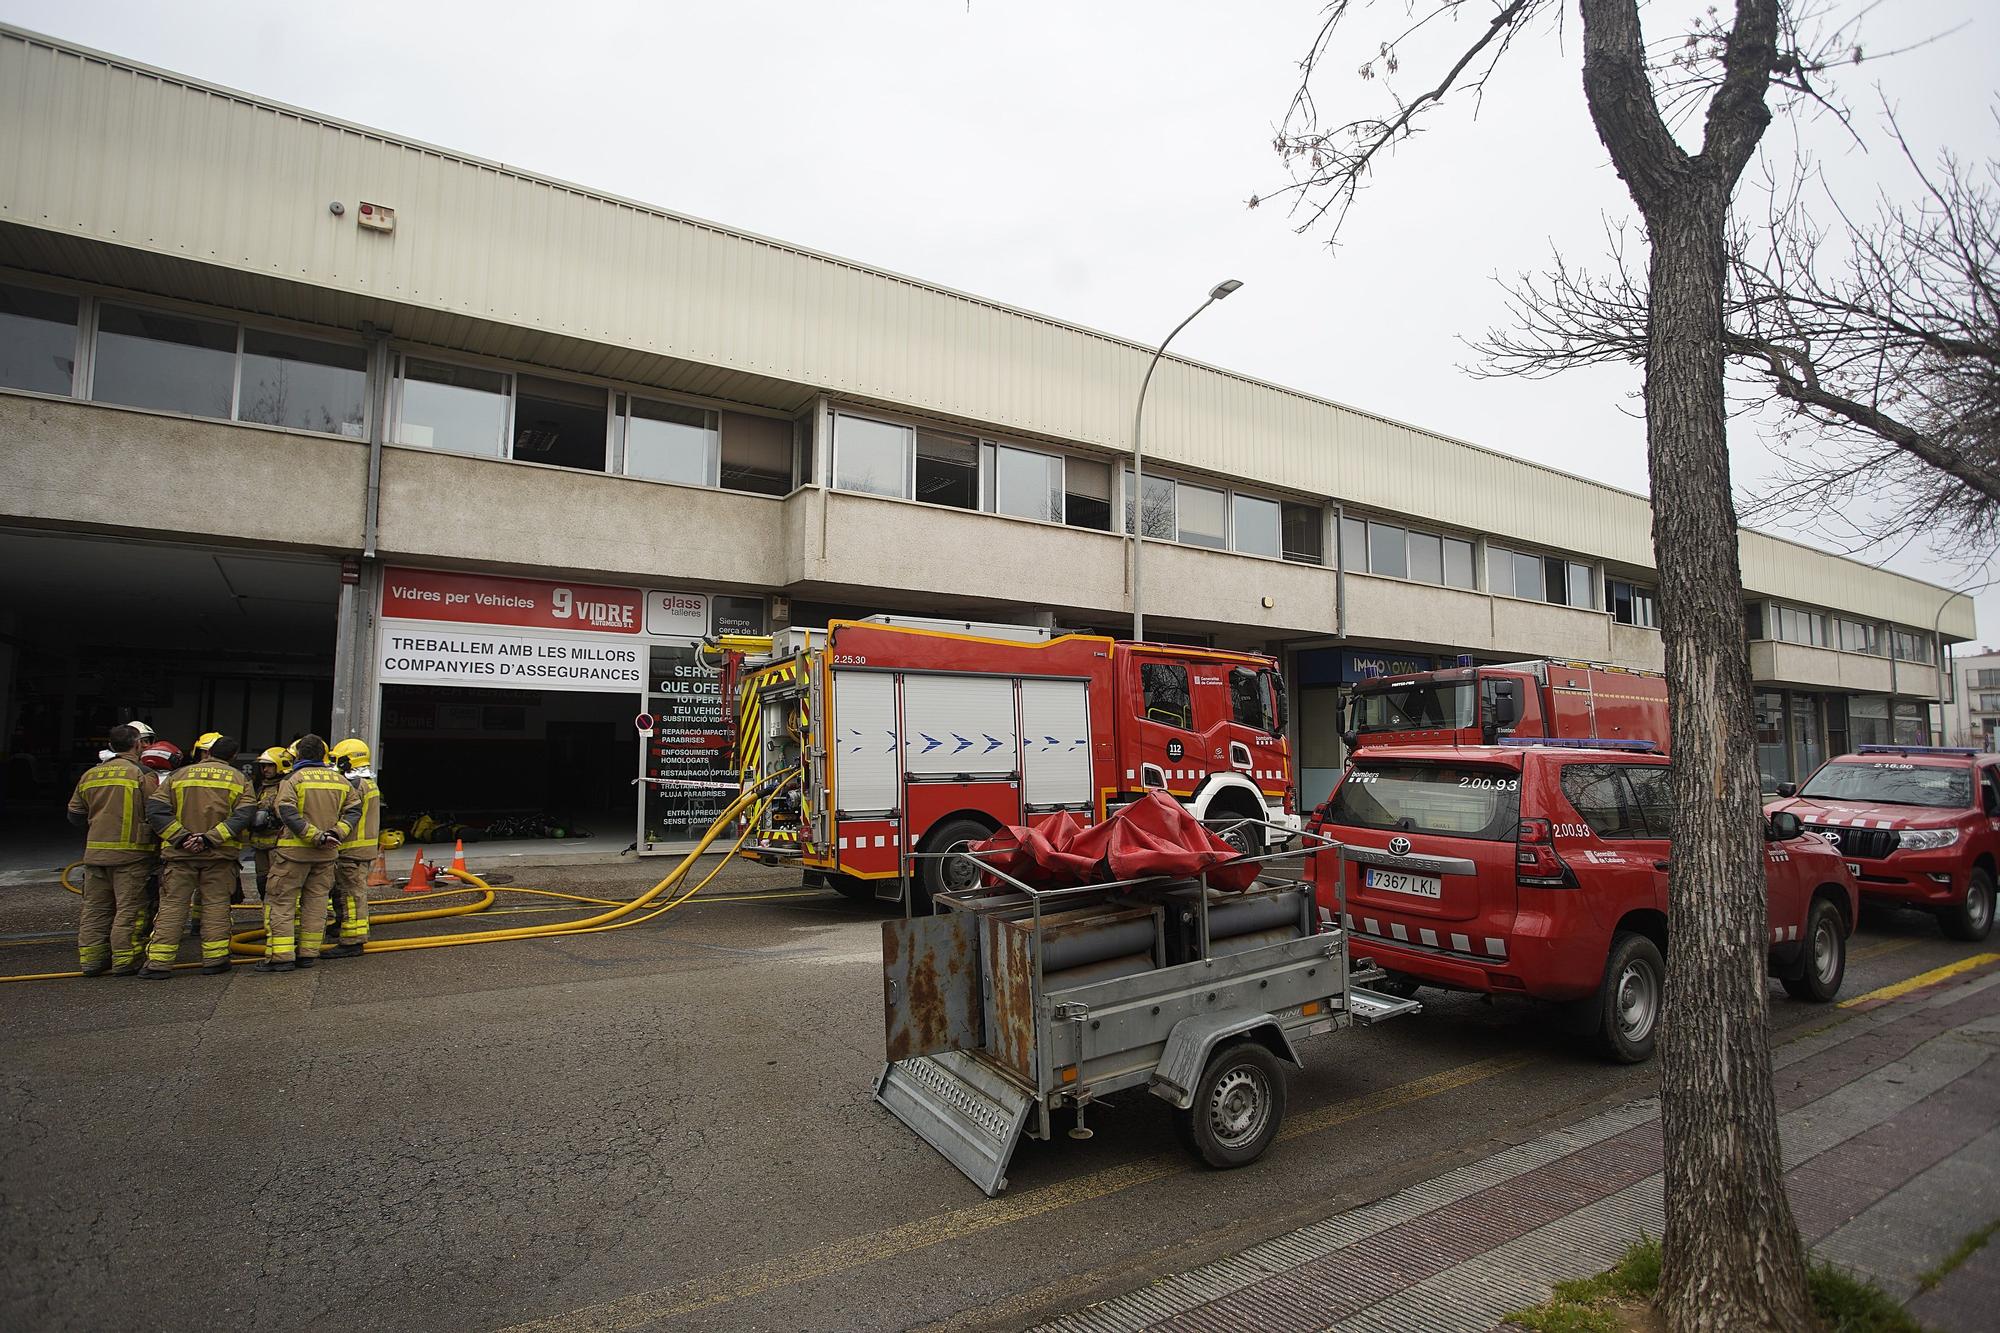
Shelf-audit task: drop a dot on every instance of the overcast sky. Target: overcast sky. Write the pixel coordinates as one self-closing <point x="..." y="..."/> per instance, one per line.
<point x="1087" y="160"/>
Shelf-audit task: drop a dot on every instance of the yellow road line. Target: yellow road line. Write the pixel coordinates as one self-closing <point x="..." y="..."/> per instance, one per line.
<point x="1922" y="979"/>
<point x="853" y="1252"/>
<point x="1877" y="950"/>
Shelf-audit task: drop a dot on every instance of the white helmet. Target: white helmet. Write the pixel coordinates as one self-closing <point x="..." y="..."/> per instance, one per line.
<point x="145" y="732"/>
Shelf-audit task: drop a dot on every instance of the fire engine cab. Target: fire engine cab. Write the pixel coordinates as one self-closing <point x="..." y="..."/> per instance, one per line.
<point x="920" y="736"/>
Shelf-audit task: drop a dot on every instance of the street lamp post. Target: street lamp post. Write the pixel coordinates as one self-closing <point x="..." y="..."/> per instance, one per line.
<point x="1216" y="293"/>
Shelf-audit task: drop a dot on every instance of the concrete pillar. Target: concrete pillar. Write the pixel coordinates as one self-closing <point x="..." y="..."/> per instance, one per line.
<point x="356" y="692"/>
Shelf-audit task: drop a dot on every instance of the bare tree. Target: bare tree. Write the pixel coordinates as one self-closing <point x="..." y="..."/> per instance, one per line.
<point x="1877" y="339"/>
<point x="1733" y="1256"/>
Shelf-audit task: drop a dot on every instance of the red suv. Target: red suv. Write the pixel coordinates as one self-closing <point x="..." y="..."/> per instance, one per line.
<point x="1918" y="825"/>
<point x="1540" y="870"/>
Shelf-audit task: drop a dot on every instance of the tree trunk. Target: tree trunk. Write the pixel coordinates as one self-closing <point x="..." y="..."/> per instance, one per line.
<point x="1732" y="1254"/>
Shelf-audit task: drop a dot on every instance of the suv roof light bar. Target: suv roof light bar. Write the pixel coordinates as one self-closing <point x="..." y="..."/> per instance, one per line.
<point x="1582" y="743"/>
<point x="1916" y="749"/>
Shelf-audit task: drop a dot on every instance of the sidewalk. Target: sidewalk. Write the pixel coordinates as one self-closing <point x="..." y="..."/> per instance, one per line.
<point x="1891" y="1130"/>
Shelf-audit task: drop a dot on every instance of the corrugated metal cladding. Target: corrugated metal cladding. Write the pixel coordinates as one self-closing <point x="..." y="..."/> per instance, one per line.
<point x="101" y="149"/>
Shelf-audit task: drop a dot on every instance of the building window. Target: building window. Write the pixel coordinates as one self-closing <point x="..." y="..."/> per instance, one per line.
<point x="1389" y="549"/>
<point x="947" y="471"/>
<point x="1087" y="494"/>
<point x="1160" y="522"/>
<point x="756" y="454"/>
<point x="1911" y="723"/>
<point x="559" y="423"/>
<point x="1426" y="557"/>
<point x="1868" y="720"/>
<point x="872" y="457"/>
<point x="1753" y="621"/>
<point x="1256" y="525"/>
<point x="1796" y="626"/>
<point x="1538" y="578"/>
<point x="1026" y="484"/>
<point x="1989" y="703"/>
<point x="1987" y="678"/>
<point x="1203" y="516"/>
<point x="173" y="363"/>
<point x="1458" y="563"/>
<point x="1582" y="587"/>
<point x="37" y="340"/>
<point x="670" y="442"/>
<point x="303" y="384"/>
<point x="1632" y="604"/>
<point x="453" y="409"/>
<point x="1305" y="534"/>
<point x="1911" y="647"/>
<point x="1773" y="764"/>
<point x="1858" y="637"/>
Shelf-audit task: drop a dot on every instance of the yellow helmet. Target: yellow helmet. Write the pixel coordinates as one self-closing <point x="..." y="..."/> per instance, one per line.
<point x="277" y="757"/>
<point x="208" y="738"/>
<point x="349" y="754"/>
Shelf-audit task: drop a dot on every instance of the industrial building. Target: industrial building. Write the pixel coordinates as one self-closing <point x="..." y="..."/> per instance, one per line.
<point x="309" y="426"/>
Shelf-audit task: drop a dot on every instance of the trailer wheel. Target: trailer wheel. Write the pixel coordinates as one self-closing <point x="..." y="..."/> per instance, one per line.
<point x="1237" y="1107"/>
<point x="941" y="875"/>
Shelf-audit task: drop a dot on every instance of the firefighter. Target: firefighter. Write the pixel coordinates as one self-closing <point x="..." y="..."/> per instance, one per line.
<point x="162" y="757"/>
<point x="359" y="850"/>
<point x="200" y="813"/>
<point x="319" y="810"/>
<point x="200" y="750"/>
<point x="272" y="765"/>
<point x="109" y="804"/>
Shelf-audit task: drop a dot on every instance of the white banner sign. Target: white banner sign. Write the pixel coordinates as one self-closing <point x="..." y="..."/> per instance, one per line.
<point x="412" y="653"/>
<point x="679" y="614"/>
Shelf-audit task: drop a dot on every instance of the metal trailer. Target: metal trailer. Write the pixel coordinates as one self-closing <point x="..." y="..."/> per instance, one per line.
<point x="1013" y="1002"/>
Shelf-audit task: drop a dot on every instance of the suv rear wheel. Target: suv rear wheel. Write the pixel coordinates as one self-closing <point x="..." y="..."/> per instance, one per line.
<point x="1630" y="1000"/>
<point x="1823" y="960"/>
<point x="1973" y="918"/>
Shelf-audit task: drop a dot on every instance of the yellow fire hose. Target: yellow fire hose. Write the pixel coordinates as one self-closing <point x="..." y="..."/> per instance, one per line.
<point x="619" y="915"/>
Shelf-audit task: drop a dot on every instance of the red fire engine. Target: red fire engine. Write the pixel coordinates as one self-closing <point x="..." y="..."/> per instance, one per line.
<point x="1479" y="705"/>
<point x="923" y="736"/>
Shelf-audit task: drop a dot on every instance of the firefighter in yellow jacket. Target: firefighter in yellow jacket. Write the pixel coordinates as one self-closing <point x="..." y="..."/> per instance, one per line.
<point x="272" y="765"/>
<point x="359" y="850"/>
<point x="319" y="811"/>
<point x="200" y="813"/>
<point x="110" y="804"/>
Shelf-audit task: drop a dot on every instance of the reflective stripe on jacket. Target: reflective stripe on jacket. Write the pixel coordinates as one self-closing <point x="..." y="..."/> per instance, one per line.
<point x="314" y="800"/>
<point x="112" y="798"/>
<point x="211" y="798"/>
<point x="364" y="842"/>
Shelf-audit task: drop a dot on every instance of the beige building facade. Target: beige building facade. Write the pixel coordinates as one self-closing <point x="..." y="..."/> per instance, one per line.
<point x="279" y="393"/>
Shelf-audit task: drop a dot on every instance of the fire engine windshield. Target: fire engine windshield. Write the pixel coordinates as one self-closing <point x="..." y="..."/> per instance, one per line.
<point x="1456" y="800"/>
<point x="1416" y="707"/>
<point x="1892" y="782"/>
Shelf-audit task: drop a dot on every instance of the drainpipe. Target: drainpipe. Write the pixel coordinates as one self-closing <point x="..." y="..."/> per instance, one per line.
<point x="1339" y="573"/>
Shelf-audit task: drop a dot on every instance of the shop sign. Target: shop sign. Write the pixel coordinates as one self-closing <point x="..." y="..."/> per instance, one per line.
<point x="681" y="615"/>
<point x="490" y="599"/>
<point x="442" y="655"/>
<point x="1365" y="665"/>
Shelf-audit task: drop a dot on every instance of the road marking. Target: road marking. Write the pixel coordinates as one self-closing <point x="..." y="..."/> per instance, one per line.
<point x="1921" y="980"/>
<point x="840" y="1255"/>
<point x="1878" y="950"/>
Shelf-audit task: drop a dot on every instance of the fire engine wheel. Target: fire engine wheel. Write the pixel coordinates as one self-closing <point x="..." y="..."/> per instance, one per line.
<point x="1823" y="960"/>
<point x="950" y="874"/>
<point x="1973" y="918"/>
<point x="1630" y="999"/>
<point x="1237" y="1108"/>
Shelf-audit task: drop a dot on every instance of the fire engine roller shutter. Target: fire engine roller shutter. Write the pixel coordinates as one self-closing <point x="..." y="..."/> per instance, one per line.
<point x="864" y="714"/>
<point x="1055" y="742"/>
<point x="958" y="724"/>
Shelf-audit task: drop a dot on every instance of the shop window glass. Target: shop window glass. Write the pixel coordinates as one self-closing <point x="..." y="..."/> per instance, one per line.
<point x="1087" y="494"/>
<point x="1203" y="516"/>
<point x="1165" y="687"/>
<point x="454" y="409"/>
<point x="1257" y="525"/>
<point x="739" y="615"/>
<point x="1912" y="723"/>
<point x="947" y="470"/>
<point x="871" y="456"/>
<point x="1027" y="484"/>
<point x="560" y="423"/>
<point x="756" y="454"/>
<point x="1354" y="545"/>
<point x="1603" y="798"/>
<point x="303" y="383"/>
<point x="1769" y="720"/>
<point x="175" y="363"/>
<point x="1836" y="725"/>
<point x="1159" y="521"/>
<point x="1868" y="720"/>
<point x="1426" y="558"/>
<point x="671" y="442"/>
<point x="1806" y="751"/>
<point x="1457" y="563"/>
<point x="1305" y="534"/>
<point x="37" y="340"/>
<point x="1388" y="550"/>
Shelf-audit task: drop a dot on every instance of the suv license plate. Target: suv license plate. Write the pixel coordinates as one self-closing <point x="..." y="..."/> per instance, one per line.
<point x="1398" y="881"/>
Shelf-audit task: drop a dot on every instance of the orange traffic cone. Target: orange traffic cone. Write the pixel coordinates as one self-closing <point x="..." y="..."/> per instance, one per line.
<point x="378" y="874"/>
<point x="458" y="856"/>
<point x="420" y="877"/>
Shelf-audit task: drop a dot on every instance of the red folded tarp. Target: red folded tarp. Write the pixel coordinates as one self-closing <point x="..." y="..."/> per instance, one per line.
<point x="1154" y="835"/>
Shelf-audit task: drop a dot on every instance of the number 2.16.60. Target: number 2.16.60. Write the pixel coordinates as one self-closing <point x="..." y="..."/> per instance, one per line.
<point x="1491" y="784"/>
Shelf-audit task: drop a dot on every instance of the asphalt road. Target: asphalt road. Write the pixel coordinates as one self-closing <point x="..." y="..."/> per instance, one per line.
<point x="668" y="1126"/>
